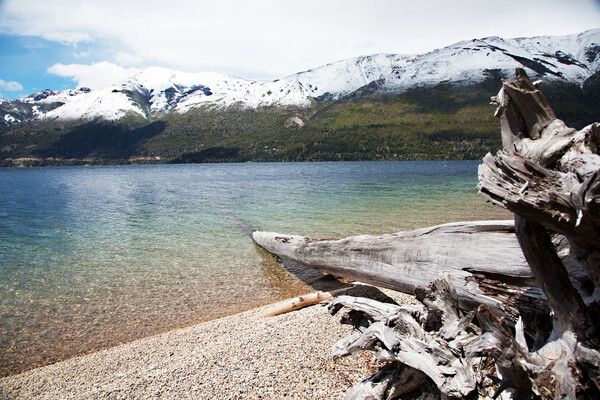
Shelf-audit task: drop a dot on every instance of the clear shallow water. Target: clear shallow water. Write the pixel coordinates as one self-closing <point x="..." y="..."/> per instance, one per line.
<point x="94" y="256"/>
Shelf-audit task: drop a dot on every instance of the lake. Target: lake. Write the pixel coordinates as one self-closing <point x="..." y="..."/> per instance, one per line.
<point x="94" y="256"/>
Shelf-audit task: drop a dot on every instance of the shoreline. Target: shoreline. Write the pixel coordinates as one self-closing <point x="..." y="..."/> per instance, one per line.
<point x="237" y="356"/>
<point x="45" y="347"/>
<point x="28" y="162"/>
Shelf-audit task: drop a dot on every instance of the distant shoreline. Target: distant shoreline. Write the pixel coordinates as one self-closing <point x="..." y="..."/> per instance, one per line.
<point x="73" y="162"/>
<point x="26" y="162"/>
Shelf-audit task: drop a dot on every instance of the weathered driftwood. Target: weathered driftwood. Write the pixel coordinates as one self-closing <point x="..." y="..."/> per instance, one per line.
<point x="549" y="176"/>
<point x="481" y="259"/>
<point x="424" y="346"/>
<point x="437" y="352"/>
<point x="296" y="303"/>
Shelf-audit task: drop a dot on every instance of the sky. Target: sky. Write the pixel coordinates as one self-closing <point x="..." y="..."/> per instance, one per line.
<point x="64" y="44"/>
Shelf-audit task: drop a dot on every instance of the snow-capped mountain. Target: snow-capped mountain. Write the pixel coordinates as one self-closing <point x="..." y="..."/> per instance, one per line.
<point x="572" y="58"/>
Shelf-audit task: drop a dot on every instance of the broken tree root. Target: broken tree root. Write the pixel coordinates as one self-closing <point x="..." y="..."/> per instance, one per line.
<point x="435" y="351"/>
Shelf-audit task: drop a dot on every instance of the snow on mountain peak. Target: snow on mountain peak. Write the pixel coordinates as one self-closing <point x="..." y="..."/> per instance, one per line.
<point x="169" y="90"/>
<point x="157" y="90"/>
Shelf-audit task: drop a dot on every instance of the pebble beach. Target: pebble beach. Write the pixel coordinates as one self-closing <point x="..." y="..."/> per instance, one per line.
<point x="241" y="356"/>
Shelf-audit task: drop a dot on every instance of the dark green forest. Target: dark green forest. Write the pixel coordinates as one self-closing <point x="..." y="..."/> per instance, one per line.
<point x="445" y="121"/>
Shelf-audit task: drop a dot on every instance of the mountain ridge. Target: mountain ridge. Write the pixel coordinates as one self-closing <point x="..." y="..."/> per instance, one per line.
<point x="156" y="90"/>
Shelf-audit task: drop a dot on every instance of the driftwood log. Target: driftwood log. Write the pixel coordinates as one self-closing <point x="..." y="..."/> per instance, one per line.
<point x="484" y="330"/>
<point x="482" y="260"/>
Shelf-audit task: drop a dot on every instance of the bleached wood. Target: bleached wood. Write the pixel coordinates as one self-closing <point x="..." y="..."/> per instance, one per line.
<point x="569" y="308"/>
<point x="296" y="303"/>
<point x="390" y="381"/>
<point x="549" y="175"/>
<point x="399" y="337"/>
<point x="475" y="256"/>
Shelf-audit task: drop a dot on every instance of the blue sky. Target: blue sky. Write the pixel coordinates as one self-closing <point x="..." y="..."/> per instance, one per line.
<point x="24" y="59"/>
<point x="63" y="44"/>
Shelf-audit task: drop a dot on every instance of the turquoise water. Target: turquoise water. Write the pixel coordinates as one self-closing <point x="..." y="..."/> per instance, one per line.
<point x="94" y="256"/>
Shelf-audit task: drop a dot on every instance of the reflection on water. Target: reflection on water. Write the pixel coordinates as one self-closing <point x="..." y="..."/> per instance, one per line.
<point x="94" y="256"/>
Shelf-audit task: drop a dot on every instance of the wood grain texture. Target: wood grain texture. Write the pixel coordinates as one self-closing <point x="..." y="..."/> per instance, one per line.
<point x="482" y="260"/>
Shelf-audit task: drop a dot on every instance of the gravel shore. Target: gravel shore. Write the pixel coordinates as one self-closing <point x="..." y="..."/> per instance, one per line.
<point x="242" y="356"/>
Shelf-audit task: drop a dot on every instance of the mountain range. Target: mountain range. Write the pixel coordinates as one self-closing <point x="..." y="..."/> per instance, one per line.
<point x="295" y="112"/>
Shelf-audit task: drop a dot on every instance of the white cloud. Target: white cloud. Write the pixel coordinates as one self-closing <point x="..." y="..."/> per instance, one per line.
<point x="275" y="37"/>
<point x="51" y="20"/>
<point x="82" y="54"/>
<point x="67" y="37"/>
<point x="127" y="59"/>
<point x="10" y="86"/>
<point x="94" y="76"/>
